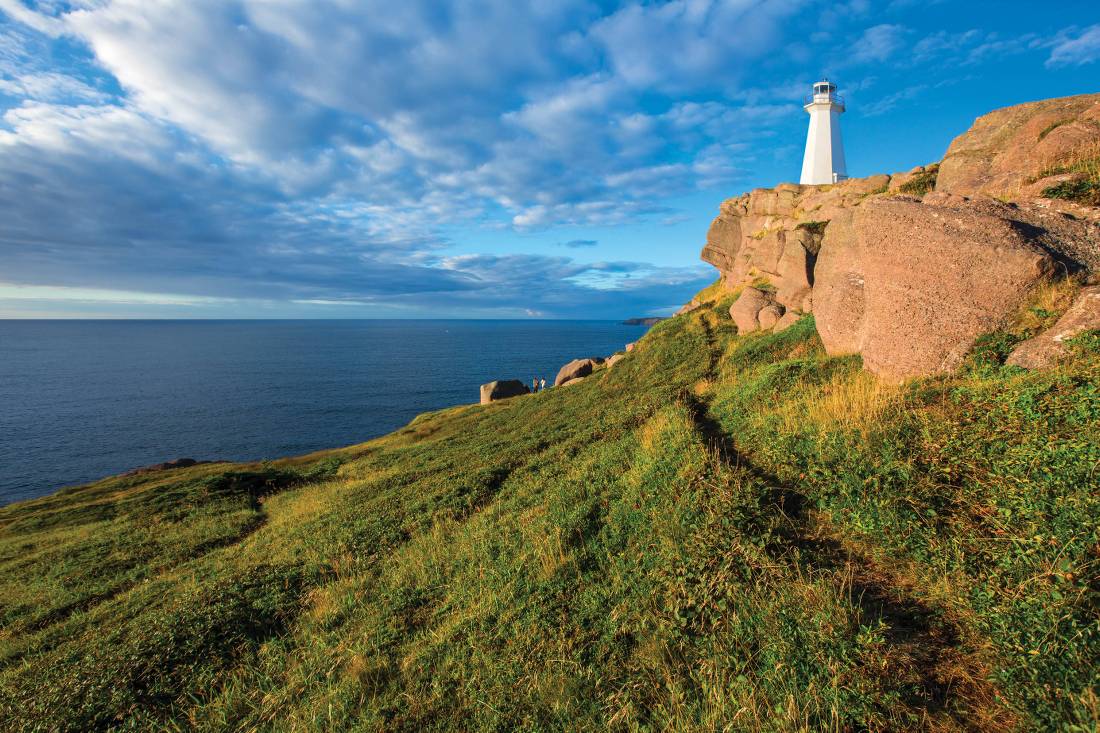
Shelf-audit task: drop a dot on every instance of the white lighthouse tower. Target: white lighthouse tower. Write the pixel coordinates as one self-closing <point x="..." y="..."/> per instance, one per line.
<point x="824" y="161"/>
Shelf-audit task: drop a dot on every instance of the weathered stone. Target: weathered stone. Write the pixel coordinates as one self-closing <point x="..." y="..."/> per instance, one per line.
<point x="1011" y="153"/>
<point x="838" y="297"/>
<point x="614" y="359"/>
<point x="900" y="179"/>
<point x="769" y="315"/>
<point x="789" y="319"/>
<point x="630" y="347"/>
<point x="764" y="202"/>
<point x="723" y="242"/>
<point x="910" y="286"/>
<point x="746" y="308"/>
<point x="502" y="389"/>
<point x="794" y="270"/>
<point x="765" y="256"/>
<point x="1074" y="242"/>
<point x="576" y="369"/>
<point x="762" y="234"/>
<point x="865" y="186"/>
<point x="1049" y="347"/>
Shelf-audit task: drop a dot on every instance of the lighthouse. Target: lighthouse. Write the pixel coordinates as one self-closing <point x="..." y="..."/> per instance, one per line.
<point x="824" y="161"/>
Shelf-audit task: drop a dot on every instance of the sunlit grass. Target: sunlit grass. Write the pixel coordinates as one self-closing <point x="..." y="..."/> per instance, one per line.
<point x="720" y="533"/>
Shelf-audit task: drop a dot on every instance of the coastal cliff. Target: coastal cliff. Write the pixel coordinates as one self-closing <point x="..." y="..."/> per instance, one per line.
<point x="909" y="270"/>
<point x="736" y="527"/>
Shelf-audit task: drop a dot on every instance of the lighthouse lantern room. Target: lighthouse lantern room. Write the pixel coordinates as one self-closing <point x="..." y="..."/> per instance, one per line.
<point x="824" y="160"/>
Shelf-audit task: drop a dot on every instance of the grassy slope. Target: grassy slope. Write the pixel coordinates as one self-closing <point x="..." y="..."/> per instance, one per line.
<point x="719" y="532"/>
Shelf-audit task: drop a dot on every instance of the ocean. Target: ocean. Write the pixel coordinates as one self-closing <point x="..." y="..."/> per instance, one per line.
<point x="81" y="400"/>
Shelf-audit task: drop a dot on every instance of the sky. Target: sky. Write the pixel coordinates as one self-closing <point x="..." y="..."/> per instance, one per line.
<point x="467" y="159"/>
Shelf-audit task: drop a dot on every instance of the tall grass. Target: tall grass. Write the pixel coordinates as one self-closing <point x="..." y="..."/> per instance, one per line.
<point x="1083" y="188"/>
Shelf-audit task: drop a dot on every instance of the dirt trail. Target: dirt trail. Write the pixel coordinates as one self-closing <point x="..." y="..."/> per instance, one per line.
<point x="925" y="647"/>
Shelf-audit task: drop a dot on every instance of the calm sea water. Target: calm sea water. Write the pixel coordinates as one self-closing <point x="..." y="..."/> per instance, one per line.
<point x="80" y="400"/>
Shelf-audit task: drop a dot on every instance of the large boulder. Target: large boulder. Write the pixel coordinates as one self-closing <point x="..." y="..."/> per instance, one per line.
<point x="502" y="389"/>
<point x="1048" y="347"/>
<point x="746" y="309"/>
<point x="911" y="286"/>
<point x="1074" y="242"/>
<point x="769" y="315"/>
<point x="577" y="369"/>
<point x="839" y="287"/>
<point x="1018" y="152"/>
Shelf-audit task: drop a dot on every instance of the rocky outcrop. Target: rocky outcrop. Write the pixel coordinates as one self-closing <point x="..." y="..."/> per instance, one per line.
<point x="908" y="276"/>
<point x="167" y="466"/>
<point x="614" y="359"/>
<point x="1049" y="347"/>
<point x="577" y="369"/>
<point x="773" y="237"/>
<point x="503" y="389"/>
<point x="1017" y="153"/>
<point x="910" y="286"/>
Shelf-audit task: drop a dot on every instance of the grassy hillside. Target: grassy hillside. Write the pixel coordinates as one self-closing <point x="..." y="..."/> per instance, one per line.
<point x="721" y="533"/>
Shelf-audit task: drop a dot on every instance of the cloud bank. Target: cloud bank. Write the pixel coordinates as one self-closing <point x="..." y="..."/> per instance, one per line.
<point x="327" y="152"/>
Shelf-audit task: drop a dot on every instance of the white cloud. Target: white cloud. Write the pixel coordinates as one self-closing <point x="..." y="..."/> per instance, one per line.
<point x="108" y="130"/>
<point x="40" y="22"/>
<point x="1077" y="49"/>
<point x="9" y="292"/>
<point x="683" y="45"/>
<point x="317" y="151"/>
<point x="51" y="87"/>
<point x="877" y="44"/>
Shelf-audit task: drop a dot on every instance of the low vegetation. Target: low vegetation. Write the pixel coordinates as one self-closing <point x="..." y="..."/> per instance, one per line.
<point x="817" y="228"/>
<point x="720" y="533"/>
<point x="1084" y="185"/>
<point x="921" y="183"/>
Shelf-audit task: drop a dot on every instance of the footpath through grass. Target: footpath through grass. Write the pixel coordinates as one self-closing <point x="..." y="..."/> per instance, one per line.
<point x="720" y="533"/>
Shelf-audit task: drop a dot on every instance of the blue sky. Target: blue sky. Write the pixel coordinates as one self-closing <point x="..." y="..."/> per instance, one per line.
<point x="478" y="158"/>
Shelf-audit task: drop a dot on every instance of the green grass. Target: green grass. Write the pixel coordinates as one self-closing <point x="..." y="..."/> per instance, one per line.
<point x="720" y="533"/>
<point x="1051" y="128"/>
<point x="1083" y="191"/>
<point x="922" y="182"/>
<point x="1085" y="187"/>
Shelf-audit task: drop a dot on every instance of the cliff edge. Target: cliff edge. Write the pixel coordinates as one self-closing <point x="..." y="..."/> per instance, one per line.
<point x="908" y="270"/>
